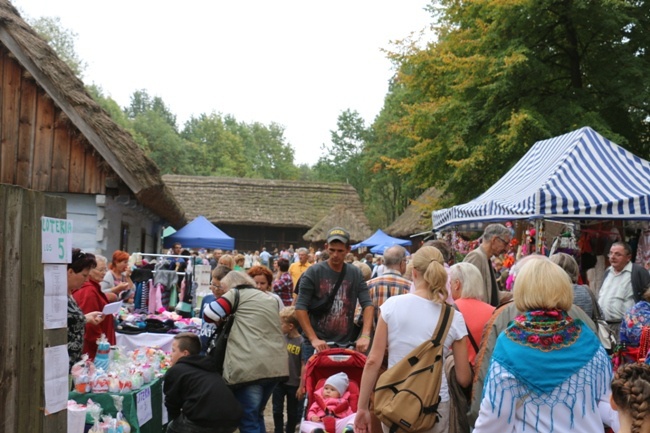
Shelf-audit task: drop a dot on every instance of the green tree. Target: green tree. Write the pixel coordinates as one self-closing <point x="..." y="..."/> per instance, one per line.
<point x="390" y="186"/>
<point x="163" y="144"/>
<point x="61" y="40"/>
<point x="267" y="155"/>
<point x="216" y="151"/>
<point x="503" y="75"/>
<point x="342" y="161"/>
<point x="142" y="102"/>
<point x="116" y="113"/>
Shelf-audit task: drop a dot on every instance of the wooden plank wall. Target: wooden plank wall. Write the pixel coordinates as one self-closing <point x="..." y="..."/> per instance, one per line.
<point x="40" y="148"/>
<point x="21" y="312"/>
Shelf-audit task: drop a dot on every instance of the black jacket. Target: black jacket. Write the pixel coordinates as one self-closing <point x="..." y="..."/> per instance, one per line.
<point x="193" y="387"/>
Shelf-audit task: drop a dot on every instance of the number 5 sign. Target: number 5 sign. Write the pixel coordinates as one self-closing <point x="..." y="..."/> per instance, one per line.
<point x="56" y="240"/>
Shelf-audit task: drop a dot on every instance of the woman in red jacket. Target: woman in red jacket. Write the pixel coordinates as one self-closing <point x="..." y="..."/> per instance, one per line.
<point x="91" y="298"/>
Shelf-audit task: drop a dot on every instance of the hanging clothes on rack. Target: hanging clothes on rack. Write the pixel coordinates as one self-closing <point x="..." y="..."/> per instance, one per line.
<point x="161" y="291"/>
<point x="141" y="278"/>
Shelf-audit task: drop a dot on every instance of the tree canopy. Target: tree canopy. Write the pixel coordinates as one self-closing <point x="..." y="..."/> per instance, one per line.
<point x="459" y="112"/>
<point x="503" y="75"/>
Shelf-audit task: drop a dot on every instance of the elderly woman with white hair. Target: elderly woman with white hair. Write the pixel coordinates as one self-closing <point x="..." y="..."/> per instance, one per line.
<point x="467" y="291"/>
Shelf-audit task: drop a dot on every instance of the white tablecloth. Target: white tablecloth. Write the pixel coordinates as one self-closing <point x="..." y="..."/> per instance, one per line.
<point x="146" y="339"/>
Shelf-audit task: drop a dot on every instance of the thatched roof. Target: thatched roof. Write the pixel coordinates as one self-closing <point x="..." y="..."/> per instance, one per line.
<point x="112" y="143"/>
<point x="416" y="218"/>
<point x="339" y="216"/>
<point x="273" y="203"/>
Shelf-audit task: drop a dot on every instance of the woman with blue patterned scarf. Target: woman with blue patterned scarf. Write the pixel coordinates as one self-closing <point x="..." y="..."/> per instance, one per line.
<point x="548" y="372"/>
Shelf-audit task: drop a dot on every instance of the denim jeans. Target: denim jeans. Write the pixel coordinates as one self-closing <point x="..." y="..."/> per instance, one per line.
<point x="253" y="399"/>
<point x="294" y="408"/>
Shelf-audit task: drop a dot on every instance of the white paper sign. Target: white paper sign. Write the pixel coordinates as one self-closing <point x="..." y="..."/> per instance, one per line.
<point x="112" y="308"/>
<point x="55" y="305"/>
<point x="203" y="276"/>
<point x="56" y="240"/>
<point x="55" y="361"/>
<point x="143" y="402"/>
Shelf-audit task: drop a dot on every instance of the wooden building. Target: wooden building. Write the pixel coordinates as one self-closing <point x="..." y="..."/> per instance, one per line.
<point x="56" y="139"/>
<point x="269" y="213"/>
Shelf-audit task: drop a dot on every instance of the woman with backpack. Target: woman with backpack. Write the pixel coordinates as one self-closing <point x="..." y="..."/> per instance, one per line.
<point x="404" y="323"/>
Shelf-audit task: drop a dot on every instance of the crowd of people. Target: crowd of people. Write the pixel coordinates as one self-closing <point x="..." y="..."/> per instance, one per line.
<point x="525" y="359"/>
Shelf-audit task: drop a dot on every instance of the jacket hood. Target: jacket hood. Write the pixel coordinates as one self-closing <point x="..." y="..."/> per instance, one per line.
<point x="204" y="362"/>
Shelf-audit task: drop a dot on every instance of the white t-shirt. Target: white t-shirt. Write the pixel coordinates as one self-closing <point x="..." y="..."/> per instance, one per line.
<point x="411" y="320"/>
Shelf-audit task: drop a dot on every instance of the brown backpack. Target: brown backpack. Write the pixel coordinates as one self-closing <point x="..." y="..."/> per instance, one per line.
<point x="407" y="394"/>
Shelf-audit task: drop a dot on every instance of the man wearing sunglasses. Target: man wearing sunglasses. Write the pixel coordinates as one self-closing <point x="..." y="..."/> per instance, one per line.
<point x="496" y="238"/>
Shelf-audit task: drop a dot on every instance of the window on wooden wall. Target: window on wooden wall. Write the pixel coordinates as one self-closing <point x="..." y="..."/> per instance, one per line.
<point x="124" y="237"/>
<point x="143" y="241"/>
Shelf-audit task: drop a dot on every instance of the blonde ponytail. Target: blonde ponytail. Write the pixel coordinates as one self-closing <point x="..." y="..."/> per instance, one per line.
<point x="429" y="263"/>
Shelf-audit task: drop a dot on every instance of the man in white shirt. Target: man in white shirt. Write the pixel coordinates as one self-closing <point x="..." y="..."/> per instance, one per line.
<point x="379" y="268"/>
<point x="623" y="280"/>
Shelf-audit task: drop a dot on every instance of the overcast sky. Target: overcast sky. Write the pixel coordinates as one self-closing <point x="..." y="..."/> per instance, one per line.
<point x="296" y="63"/>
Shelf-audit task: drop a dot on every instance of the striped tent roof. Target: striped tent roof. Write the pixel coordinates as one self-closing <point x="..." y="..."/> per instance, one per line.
<point x="579" y="175"/>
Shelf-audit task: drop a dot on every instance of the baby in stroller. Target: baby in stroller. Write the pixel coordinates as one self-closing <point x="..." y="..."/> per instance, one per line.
<point x="331" y="410"/>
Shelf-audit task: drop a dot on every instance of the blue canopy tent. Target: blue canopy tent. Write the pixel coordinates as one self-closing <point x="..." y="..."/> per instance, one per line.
<point x="379" y="249"/>
<point x="381" y="238"/>
<point x="200" y="233"/>
<point x="579" y="175"/>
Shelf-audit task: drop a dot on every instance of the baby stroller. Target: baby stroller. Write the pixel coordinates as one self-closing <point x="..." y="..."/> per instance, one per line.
<point x="328" y="362"/>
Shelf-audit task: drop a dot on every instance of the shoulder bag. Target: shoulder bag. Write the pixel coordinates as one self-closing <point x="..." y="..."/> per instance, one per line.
<point x="219" y="341"/>
<point x="605" y="334"/>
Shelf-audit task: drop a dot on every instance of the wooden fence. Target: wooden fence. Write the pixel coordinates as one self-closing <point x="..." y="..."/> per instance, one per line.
<point x="22" y="337"/>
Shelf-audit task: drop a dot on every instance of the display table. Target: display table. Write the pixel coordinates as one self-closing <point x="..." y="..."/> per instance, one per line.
<point x="145" y="404"/>
<point x="145" y="339"/>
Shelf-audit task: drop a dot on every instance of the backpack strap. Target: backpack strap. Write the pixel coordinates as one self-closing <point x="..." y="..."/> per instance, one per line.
<point x="442" y="328"/>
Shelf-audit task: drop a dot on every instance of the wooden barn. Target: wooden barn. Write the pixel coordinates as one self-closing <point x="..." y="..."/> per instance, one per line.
<point x="56" y="139"/>
<point x="269" y="213"/>
<point x="416" y="218"/>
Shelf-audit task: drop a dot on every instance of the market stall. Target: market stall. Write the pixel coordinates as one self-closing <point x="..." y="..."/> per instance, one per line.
<point x="122" y="386"/>
<point x="576" y="176"/>
<point x="200" y="233"/>
<point x="381" y="240"/>
<point x="143" y="408"/>
<point x="590" y="190"/>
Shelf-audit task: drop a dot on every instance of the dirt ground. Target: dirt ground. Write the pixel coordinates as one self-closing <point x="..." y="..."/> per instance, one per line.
<point x="268" y="418"/>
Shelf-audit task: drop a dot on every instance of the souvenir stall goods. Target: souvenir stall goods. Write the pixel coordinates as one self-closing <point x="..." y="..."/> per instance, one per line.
<point x="130" y="391"/>
<point x="76" y="417"/>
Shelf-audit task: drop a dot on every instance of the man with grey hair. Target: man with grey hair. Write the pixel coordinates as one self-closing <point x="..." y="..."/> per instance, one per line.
<point x="622" y="287"/>
<point x="298" y="268"/>
<point x="391" y="282"/>
<point x="496" y="238"/>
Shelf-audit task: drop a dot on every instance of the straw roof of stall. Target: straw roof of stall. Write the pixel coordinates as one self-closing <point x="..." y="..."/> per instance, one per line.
<point x="272" y="203"/>
<point x="339" y="216"/>
<point x="416" y="218"/>
<point x="112" y="143"/>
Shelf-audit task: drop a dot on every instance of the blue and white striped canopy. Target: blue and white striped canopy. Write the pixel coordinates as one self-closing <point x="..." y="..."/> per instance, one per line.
<point x="579" y="175"/>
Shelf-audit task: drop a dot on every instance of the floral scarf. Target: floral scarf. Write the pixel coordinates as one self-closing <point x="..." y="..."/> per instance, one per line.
<point x="553" y="359"/>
